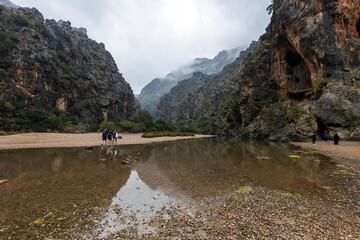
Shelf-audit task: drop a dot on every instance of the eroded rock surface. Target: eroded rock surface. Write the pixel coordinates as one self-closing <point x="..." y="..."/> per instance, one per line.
<point x="308" y="59"/>
<point x="46" y="64"/>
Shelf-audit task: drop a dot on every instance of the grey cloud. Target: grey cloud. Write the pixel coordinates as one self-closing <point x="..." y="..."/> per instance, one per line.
<point x="150" y="38"/>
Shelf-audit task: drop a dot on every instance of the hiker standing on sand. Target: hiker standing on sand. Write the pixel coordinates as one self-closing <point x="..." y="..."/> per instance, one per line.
<point x="109" y="136"/>
<point x="336" y="139"/>
<point x="313" y="139"/>
<point x="325" y="136"/>
<point x="104" y="136"/>
<point x="328" y="137"/>
<point x="115" y="136"/>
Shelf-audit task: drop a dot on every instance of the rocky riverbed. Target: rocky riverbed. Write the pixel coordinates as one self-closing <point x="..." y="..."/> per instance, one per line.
<point x="304" y="196"/>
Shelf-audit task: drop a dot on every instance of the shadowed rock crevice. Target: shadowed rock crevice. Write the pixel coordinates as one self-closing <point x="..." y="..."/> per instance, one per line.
<point x="292" y="58"/>
<point x="321" y="127"/>
<point x="358" y="27"/>
<point x="293" y="71"/>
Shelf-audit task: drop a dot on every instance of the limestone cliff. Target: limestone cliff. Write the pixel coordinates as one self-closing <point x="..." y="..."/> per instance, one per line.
<point x="150" y="95"/>
<point x="304" y="76"/>
<point x="205" y="101"/>
<point x="46" y="66"/>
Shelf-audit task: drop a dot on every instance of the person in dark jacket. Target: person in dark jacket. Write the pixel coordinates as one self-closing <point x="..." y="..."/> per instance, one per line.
<point x="313" y="139"/>
<point x="110" y="136"/>
<point x="325" y="136"/>
<point x="336" y="139"/>
<point x="104" y="136"/>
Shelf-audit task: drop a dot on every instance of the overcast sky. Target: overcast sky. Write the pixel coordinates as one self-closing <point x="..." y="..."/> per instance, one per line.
<point x="150" y="38"/>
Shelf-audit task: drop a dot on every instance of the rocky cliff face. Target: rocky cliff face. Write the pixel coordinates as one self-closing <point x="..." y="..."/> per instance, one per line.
<point x="150" y="95"/>
<point x="304" y="75"/>
<point x="205" y="101"/>
<point x="45" y="65"/>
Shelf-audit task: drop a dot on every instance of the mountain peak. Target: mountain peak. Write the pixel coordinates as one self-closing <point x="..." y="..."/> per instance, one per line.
<point x="8" y="3"/>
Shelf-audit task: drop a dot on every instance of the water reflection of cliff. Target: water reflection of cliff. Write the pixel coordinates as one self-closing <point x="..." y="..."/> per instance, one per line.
<point x="212" y="167"/>
<point x="66" y="182"/>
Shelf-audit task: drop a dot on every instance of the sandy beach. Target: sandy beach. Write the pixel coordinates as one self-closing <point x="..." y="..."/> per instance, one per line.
<point x="52" y="140"/>
<point x="345" y="150"/>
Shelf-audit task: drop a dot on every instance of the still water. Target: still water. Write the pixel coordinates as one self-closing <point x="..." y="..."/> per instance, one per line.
<point x="87" y="192"/>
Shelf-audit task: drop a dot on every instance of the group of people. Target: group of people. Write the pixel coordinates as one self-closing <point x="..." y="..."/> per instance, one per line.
<point x="112" y="137"/>
<point x="327" y="138"/>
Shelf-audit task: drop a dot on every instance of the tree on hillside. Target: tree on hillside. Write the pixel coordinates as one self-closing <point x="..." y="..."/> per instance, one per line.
<point x="142" y="116"/>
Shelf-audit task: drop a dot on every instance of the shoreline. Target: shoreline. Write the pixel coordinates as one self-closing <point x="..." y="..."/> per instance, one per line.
<point x="59" y="140"/>
<point x="346" y="149"/>
<point x="347" y="152"/>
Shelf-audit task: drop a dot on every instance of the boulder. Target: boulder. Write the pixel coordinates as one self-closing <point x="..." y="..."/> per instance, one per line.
<point x="338" y="106"/>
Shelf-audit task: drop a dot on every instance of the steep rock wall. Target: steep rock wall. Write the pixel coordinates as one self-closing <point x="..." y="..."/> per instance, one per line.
<point x="303" y="77"/>
<point x="46" y="65"/>
<point x="314" y="51"/>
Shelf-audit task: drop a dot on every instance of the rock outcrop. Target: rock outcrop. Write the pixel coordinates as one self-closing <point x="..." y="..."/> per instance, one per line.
<point x="202" y="101"/>
<point x="47" y="66"/>
<point x="150" y="95"/>
<point x="305" y="72"/>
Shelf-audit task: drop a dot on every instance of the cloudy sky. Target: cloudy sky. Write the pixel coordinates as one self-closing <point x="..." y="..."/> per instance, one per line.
<point x="150" y="38"/>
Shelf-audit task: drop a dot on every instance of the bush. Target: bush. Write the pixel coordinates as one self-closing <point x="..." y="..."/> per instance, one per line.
<point x="85" y="57"/>
<point x="107" y="125"/>
<point x="132" y="127"/>
<point x="58" y="122"/>
<point x="143" y="116"/>
<point x="53" y="53"/>
<point x="275" y="116"/>
<point x="357" y="121"/>
<point x="20" y="19"/>
<point x="63" y="83"/>
<point x="12" y="38"/>
<point x="166" y="134"/>
<point x="294" y="112"/>
<point x="37" y="116"/>
<point x="162" y="126"/>
<point x="66" y="68"/>
<point x="93" y="128"/>
<point x="200" y="131"/>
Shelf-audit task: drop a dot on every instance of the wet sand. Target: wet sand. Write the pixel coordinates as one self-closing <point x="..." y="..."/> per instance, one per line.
<point x="345" y="149"/>
<point x="52" y="140"/>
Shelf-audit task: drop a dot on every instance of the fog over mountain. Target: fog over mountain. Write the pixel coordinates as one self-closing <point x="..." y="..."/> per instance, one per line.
<point x="150" y="38"/>
<point x="150" y="95"/>
<point x="8" y="3"/>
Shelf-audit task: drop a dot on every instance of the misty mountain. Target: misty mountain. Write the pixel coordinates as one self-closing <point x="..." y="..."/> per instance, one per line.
<point x="150" y="95"/>
<point x="8" y="3"/>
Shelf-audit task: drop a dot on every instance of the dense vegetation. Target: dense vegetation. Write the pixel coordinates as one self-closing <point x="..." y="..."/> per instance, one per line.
<point x="142" y="121"/>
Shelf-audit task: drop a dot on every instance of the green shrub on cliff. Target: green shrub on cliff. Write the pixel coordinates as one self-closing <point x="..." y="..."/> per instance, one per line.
<point x="20" y="19"/>
<point x="357" y="121"/>
<point x="53" y="53"/>
<point x="11" y="38"/>
<point x="85" y="57"/>
<point x="275" y="116"/>
<point x="66" y="68"/>
<point x="63" y="83"/>
<point x="294" y="112"/>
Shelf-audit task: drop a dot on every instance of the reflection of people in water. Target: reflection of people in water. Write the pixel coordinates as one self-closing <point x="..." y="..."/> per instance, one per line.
<point x="108" y="153"/>
<point x="56" y="164"/>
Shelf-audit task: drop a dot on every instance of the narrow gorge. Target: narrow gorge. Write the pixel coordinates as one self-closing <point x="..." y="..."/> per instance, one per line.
<point x="302" y="77"/>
